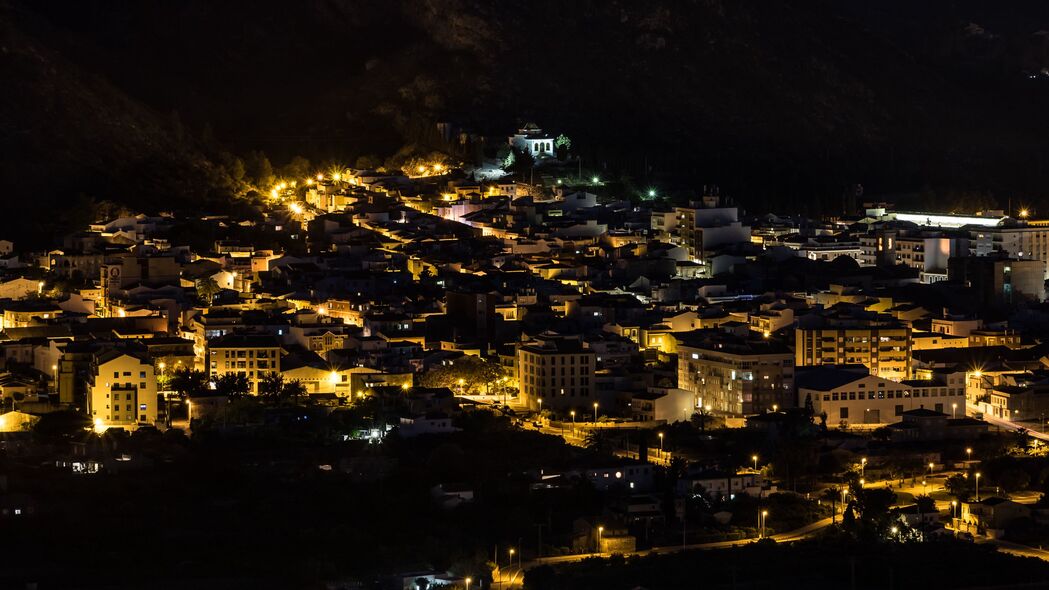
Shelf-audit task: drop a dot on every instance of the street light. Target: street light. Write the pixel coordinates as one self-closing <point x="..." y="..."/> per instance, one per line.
<point x="595" y="412"/>
<point x="863" y="466"/>
<point x="954" y="504"/>
<point x="977" y="486"/>
<point x="764" y="517"/>
<point x="862" y="481"/>
<point x="660" y="444"/>
<point x="969" y="454"/>
<point x="600" y="530"/>
<point x="468" y="580"/>
<point x="954" y="410"/>
<point x="754" y="458"/>
<point x="930" y="467"/>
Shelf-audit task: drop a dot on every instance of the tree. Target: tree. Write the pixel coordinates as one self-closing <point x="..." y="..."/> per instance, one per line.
<point x="562" y="145"/>
<point x="957" y="486"/>
<point x="1014" y="480"/>
<point x="271" y="388"/>
<point x="598" y="440"/>
<point x="232" y="385"/>
<point x="294" y="390"/>
<point x="187" y="382"/>
<point x="925" y="503"/>
<point x="477" y="375"/>
<point x="207" y="288"/>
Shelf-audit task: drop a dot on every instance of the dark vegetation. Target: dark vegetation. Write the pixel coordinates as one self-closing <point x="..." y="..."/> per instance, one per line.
<point x="159" y="106"/>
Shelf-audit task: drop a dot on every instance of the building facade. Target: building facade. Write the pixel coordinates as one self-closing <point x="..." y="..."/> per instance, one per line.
<point x="252" y="355"/>
<point x="736" y="376"/>
<point x="122" y="391"/>
<point x="557" y="373"/>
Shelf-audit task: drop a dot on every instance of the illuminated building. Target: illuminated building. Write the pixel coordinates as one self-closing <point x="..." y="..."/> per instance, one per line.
<point x="122" y="391"/>
<point x="252" y="355"/>
<point x="557" y="372"/>
<point x="735" y="375"/>
<point x="879" y="342"/>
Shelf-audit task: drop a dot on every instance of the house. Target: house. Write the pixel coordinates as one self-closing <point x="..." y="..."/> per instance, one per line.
<point x="991" y="515"/>
<point x="928" y="425"/>
<point x="627" y="473"/>
<point x="720" y="484"/>
<point x="435" y="423"/>
<point x="451" y="495"/>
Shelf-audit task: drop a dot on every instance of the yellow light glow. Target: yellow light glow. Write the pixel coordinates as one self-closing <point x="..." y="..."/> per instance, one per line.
<point x="273" y="193"/>
<point x="296" y="208"/>
<point x="977" y="374"/>
<point x="333" y="377"/>
<point x="322" y="310"/>
<point x="122" y="313"/>
<point x="336" y="177"/>
<point x="405" y="386"/>
<point x="1023" y="212"/>
<point x="309" y="182"/>
<point x="421" y="169"/>
<point x="320" y="177"/>
<point x="437" y="167"/>
<point x="100" y="426"/>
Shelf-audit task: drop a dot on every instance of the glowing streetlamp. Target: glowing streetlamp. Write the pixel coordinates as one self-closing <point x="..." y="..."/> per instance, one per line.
<point x="1024" y="213"/>
<point x="764" y="517"/>
<point x="468" y="580"/>
<point x="954" y="504"/>
<point x="969" y="454"/>
<point x="863" y="465"/>
<point x="754" y="458"/>
<point x="977" y="486"/>
<point x="600" y="530"/>
<point x="862" y="481"/>
<point x="954" y="410"/>
<point x="660" y="444"/>
<point x="595" y="412"/>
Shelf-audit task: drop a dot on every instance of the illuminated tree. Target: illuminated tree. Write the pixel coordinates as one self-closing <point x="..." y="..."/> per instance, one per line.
<point x="562" y="145"/>
<point x="207" y="288"/>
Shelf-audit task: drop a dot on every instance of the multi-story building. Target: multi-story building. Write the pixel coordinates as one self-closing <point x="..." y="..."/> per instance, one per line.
<point x="879" y="342"/>
<point x="734" y="375"/>
<point x="999" y="280"/>
<point x="122" y="391"/>
<point x="556" y="373"/>
<point x="849" y="394"/>
<point x="253" y="355"/>
<point x="925" y="251"/>
<point x="706" y="225"/>
<point x="1019" y="240"/>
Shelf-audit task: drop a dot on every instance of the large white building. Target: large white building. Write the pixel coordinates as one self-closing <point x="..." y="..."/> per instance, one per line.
<point x="850" y="395"/>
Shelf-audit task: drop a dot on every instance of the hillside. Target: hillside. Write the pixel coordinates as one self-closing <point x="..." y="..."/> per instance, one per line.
<point x="779" y="103"/>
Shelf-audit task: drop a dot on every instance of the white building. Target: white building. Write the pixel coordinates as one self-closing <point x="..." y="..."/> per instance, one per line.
<point x="532" y="140"/>
<point x="849" y="395"/>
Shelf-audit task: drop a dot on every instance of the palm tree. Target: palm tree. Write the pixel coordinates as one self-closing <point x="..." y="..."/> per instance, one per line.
<point x="207" y="288"/>
<point x="294" y="390"/>
<point x="271" y="387"/>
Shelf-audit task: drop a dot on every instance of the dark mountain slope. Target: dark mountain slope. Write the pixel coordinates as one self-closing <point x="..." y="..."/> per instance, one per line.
<point x="781" y="103"/>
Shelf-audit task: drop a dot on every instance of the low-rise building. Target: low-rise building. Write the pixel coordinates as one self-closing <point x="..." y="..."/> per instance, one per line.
<point x="850" y="395"/>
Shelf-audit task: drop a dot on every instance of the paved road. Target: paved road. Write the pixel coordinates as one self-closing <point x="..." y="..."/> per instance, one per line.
<point x="508" y="577"/>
